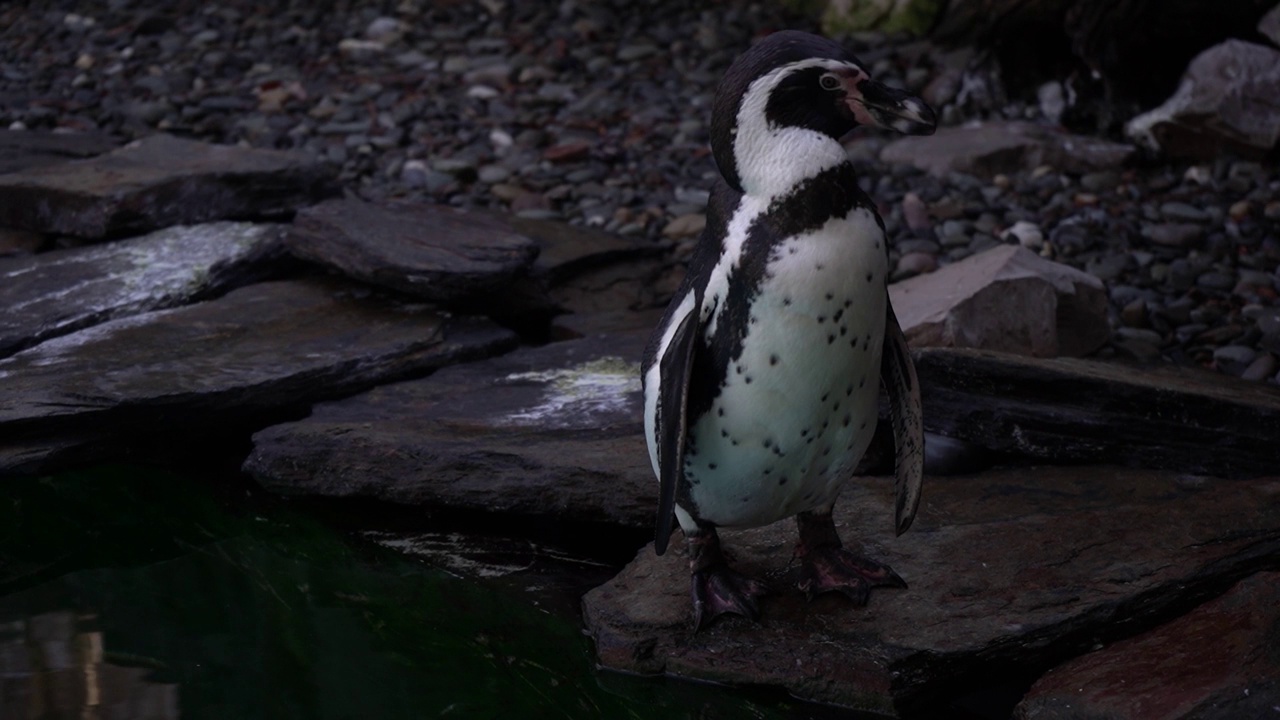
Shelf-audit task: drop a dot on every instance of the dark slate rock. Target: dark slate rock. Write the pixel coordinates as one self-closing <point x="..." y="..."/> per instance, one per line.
<point x="1005" y="146"/>
<point x="58" y="292"/>
<point x="1078" y="411"/>
<point x="550" y="431"/>
<point x="1218" y="662"/>
<point x="568" y="251"/>
<point x="22" y="149"/>
<point x="432" y="251"/>
<point x="160" y="181"/>
<point x="1011" y="572"/>
<point x="257" y="349"/>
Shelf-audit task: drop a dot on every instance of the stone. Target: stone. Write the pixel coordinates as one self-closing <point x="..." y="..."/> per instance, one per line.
<point x="552" y="432"/>
<point x="180" y="373"/>
<point x="1176" y="234"/>
<point x="22" y="149"/>
<point x="915" y="212"/>
<point x="990" y="148"/>
<point x="1225" y="103"/>
<point x="1071" y="410"/>
<point x="19" y="242"/>
<point x="568" y="251"/>
<point x="160" y="181"/>
<point x="435" y="252"/>
<point x="1006" y="298"/>
<point x="1026" y="233"/>
<point x="1217" y="662"/>
<point x="1101" y="553"/>
<point x="62" y="291"/>
<point x="689" y="225"/>
<point x="1269" y="25"/>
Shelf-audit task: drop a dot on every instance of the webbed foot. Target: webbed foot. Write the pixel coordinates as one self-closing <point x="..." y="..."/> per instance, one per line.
<point x="716" y="588"/>
<point x="826" y="566"/>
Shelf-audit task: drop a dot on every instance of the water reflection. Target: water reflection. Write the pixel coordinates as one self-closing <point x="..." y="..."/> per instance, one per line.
<point x="52" y="667"/>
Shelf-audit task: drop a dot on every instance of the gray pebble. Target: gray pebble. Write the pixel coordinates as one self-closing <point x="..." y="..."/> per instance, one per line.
<point x="1183" y="211"/>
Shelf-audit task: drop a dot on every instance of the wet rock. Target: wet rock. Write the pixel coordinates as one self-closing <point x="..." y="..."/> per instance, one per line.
<point x="1217" y="662"/>
<point x="61" y="291"/>
<point x="553" y="431"/>
<point x="22" y="149"/>
<point x="566" y="251"/>
<point x="1101" y="554"/>
<point x="990" y="148"/>
<point x="160" y="181"/>
<point x="1224" y="103"/>
<point x="1006" y="298"/>
<point x="253" y="351"/>
<point x="431" y="251"/>
<point x="1067" y="410"/>
<point x="19" y="242"/>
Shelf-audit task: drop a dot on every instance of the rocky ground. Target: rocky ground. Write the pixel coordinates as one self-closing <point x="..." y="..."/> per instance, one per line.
<point x="595" y="113"/>
<point x="411" y="254"/>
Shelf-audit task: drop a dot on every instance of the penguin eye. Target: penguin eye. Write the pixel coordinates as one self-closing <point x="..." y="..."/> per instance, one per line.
<point x="829" y="82"/>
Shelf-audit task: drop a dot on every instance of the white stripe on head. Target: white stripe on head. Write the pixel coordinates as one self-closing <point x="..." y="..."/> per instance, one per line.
<point x="770" y="159"/>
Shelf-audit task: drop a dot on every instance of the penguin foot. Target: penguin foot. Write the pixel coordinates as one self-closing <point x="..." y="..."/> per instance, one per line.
<point x="826" y="566"/>
<point x="830" y="568"/>
<point x="715" y="587"/>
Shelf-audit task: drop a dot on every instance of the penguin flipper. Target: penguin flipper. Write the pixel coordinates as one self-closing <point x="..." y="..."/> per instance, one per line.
<point x="898" y="373"/>
<point x="672" y="421"/>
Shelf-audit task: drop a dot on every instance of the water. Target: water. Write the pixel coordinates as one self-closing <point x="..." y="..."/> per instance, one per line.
<point x="141" y="594"/>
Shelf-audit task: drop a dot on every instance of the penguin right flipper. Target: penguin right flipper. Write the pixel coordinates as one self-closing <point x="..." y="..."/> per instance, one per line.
<point x="898" y="373"/>
<point x="672" y="420"/>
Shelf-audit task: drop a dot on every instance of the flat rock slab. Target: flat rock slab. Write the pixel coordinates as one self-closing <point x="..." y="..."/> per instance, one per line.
<point x="61" y="291"/>
<point x="1217" y="662"/>
<point x="271" y="345"/>
<point x="552" y="431"/>
<point x="989" y="148"/>
<point x="566" y="251"/>
<point x="435" y="252"/>
<point x="1066" y="410"/>
<point x="160" y="181"/>
<point x="21" y="149"/>
<point x="1011" y="573"/>
<point x="1008" y="299"/>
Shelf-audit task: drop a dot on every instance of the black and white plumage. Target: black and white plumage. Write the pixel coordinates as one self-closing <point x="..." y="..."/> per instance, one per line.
<point x="761" y="380"/>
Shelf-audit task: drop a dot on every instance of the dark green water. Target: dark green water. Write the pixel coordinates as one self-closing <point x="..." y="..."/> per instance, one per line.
<point x="132" y="593"/>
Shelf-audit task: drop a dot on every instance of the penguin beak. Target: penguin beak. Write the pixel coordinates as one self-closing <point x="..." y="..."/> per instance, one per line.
<point x="879" y="105"/>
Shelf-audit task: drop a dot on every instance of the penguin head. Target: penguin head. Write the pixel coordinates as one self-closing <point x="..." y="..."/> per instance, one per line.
<point x="801" y="92"/>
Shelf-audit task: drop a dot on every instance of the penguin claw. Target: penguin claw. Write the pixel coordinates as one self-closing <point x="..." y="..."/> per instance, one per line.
<point x="718" y="590"/>
<point x="834" y="569"/>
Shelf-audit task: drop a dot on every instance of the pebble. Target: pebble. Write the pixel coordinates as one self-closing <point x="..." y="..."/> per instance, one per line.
<point x="1027" y="234"/>
<point x="596" y="113"/>
<point x="1177" y="235"/>
<point x="685" y="226"/>
<point x="1263" y="367"/>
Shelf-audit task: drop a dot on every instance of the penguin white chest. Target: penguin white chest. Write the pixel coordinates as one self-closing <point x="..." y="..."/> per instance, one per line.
<point x="798" y="405"/>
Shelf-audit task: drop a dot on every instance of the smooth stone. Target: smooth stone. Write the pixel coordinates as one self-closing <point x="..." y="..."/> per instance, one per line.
<point x="1216" y="662"/>
<point x="1223" y="104"/>
<point x="1101" y="554"/>
<point x="160" y="181"/>
<point x="61" y="291"/>
<point x="1262" y="367"/>
<point x="550" y="432"/>
<point x="200" y="369"/>
<point x="914" y="263"/>
<point x="1071" y="410"/>
<point x="1234" y="359"/>
<point x="1178" y="235"/>
<point x="431" y="251"/>
<point x="1006" y="298"/>
<point x="995" y="147"/>
<point x="915" y="212"/>
<point x="1184" y="212"/>
<point x="685" y="226"/>
<point x="22" y="149"/>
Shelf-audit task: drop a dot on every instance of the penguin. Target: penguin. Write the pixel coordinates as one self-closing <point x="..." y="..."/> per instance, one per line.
<point x="760" y="381"/>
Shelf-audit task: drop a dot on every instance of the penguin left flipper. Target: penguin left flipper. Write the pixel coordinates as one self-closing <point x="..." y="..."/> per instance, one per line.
<point x="898" y="373"/>
<point x="672" y="421"/>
